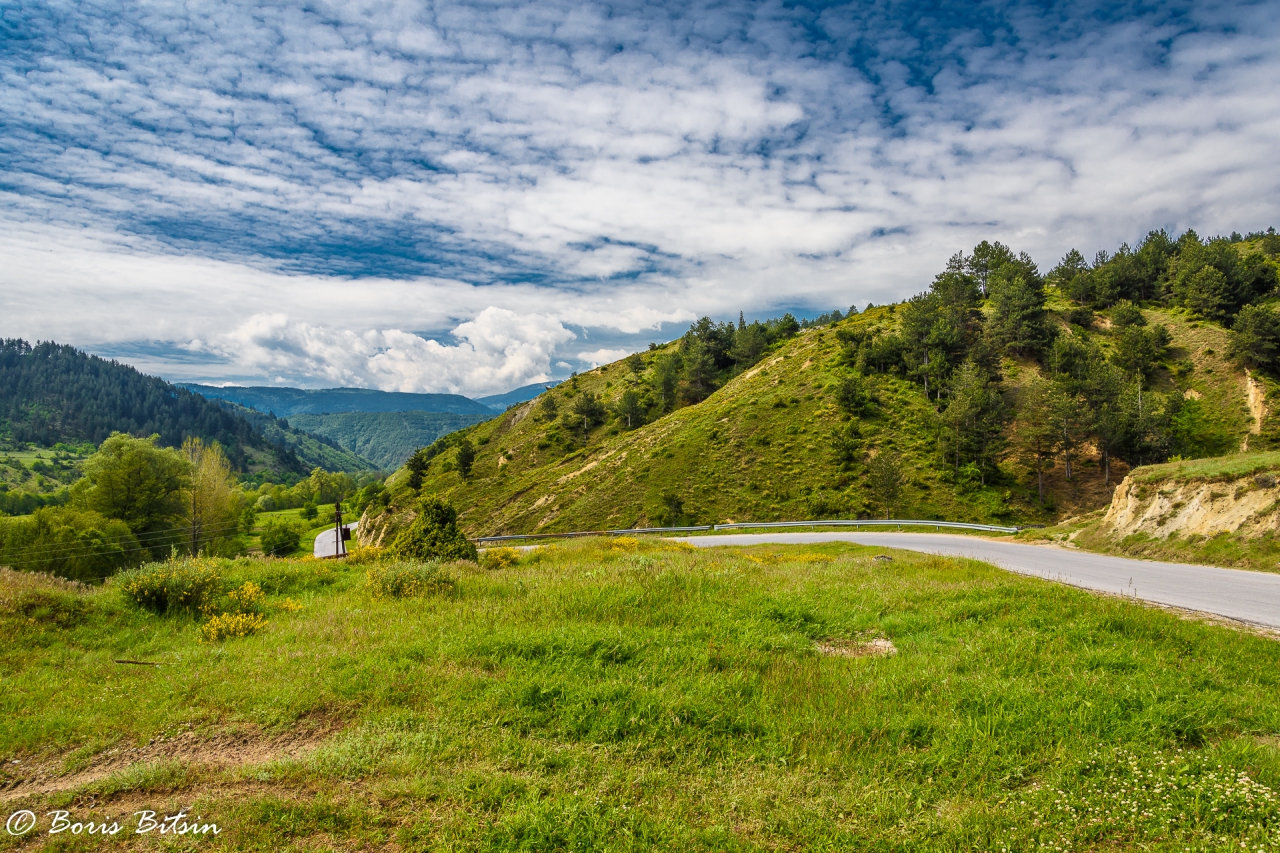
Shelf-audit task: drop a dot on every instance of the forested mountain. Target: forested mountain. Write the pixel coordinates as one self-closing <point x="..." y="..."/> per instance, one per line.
<point x="52" y="393"/>
<point x="286" y="402"/>
<point x="315" y="449"/>
<point x="384" y="438"/>
<point x="999" y="393"/>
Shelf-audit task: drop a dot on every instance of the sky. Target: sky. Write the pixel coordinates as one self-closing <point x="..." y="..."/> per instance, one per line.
<point x="470" y="197"/>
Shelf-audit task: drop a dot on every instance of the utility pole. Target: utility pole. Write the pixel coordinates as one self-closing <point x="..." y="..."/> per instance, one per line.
<point x="340" y="545"/>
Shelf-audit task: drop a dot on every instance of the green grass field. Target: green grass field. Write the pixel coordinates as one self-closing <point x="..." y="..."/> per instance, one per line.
<point x="624" y="695"/>
<point x="323" y="521"/>
<point x="1218" y="467"/>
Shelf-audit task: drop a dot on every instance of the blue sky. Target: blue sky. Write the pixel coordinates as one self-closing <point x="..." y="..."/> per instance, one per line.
<point x="469" y="197"/>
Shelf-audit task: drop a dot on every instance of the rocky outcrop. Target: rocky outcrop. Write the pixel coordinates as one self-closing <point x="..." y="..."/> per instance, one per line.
<point x="379" y="525"/>
<point x="1248" y="505"/>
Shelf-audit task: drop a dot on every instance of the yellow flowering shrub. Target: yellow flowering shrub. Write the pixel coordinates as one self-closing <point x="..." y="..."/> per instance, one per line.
<point x="496" y="559"/>
<point x="229" y="626"/>
<point x="290" y="606"/>
<point x="185" y="584"/>
<point x="364" y="556"/>
<point x="248" y="598"/>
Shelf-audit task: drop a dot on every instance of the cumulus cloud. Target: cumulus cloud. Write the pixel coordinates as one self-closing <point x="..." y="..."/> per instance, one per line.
<point x="496" y="351"/>
<point x="396" y="165"/>
<point x="595" y="358"/>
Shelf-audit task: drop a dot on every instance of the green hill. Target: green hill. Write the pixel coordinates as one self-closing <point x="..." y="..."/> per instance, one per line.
<point x="384" y="438"/>
<point x="955" y="405"/>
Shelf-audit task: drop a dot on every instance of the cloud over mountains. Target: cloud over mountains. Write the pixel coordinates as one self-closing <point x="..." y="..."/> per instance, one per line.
<point x="294" y="191"/>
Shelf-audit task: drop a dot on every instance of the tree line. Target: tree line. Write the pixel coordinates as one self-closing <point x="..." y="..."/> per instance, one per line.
<point x="138" y="501"/>
<point x="52" y="393"/>
<point x="990" y="305"/>
<point x="1095" y="368"/>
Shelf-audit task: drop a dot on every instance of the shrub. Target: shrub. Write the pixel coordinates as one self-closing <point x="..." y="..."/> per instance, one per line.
<point x="280" y="538"/>
<point x="1124" y="314"/>
<point x="1082" y="316"/>
<point x="433" y="535"/>
<point x="46" y="607"/>
<point x="408" y="580"/>
<point x="231" y="625"/>
<point x="248" y="598"/>
<point x="186" y="585"/>
<point x="364" y="556"/>
<point x="309" y="512"/>
<point x="852" y="394"/>
<point x="68" y="542"/>
<point x="496" y="559"/>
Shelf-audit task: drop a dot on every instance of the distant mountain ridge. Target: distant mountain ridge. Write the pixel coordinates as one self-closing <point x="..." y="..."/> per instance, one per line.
<point x="500" y="402"/>
<point x="385" y="438"/>
<point x="286" y="402"/>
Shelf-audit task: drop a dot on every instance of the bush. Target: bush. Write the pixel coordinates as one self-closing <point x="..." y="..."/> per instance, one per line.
<point x="408" y="580"/>
<point x="248" y="598"/>
<point x="71" y="543"/>
<point x="228" y="626"/>
<point x="852" y="394"/>
<point x="433" y="535"/>
<point x="364" y="556"/>
<point x="280" y="538"/>
<point x="46" y="607"/>
<point x="186" y="585"/>
<point x="496" y="559"/>
<point x="1124" y="314"/>
<point x="1081" y="316"/>
<point x="309" y="512"/>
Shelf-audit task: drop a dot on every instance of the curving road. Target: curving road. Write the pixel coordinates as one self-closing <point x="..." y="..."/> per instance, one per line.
<point x="1242" y="595"/>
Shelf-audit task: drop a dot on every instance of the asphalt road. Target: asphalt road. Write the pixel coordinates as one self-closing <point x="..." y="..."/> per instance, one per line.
<point x="1246" y="596"/>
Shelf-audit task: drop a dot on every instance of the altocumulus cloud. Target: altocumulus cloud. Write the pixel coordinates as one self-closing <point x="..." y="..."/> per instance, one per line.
<point x="294" y="190"/>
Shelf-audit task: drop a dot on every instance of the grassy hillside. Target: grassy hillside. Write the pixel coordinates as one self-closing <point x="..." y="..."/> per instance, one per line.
<point x="763" y="447"/>
<point x="759" y="448"/>
<point x="633" y="695"/>
<point x="384" y="438"/>
<point x="32" y="478"/>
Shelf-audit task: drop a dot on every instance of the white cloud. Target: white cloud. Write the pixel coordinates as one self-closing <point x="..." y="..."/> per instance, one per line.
<point x="595" y="358"/>
<point x="496" y="351"/>
<point x="389" y="166"/>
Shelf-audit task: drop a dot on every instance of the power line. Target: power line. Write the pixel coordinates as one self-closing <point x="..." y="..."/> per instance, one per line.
<point x="153" y="537"/>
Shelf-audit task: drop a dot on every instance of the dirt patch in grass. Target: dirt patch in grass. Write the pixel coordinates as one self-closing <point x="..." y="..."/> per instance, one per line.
<point x="186" y="749"/>
<point x="879" y="647"/>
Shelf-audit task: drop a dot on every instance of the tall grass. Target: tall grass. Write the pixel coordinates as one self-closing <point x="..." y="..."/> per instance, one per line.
<point x="637" y="696"/>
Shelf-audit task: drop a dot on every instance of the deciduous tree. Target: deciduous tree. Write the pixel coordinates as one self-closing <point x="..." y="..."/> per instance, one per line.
<point x="139" y="483"/>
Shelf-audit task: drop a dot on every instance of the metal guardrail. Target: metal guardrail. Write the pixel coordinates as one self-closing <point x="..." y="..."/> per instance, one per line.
<point x="867" y="522"/>
<point x="745" y="525"/>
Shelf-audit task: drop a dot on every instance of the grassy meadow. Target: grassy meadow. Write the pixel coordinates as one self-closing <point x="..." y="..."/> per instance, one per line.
<point x="641" y="695"/>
